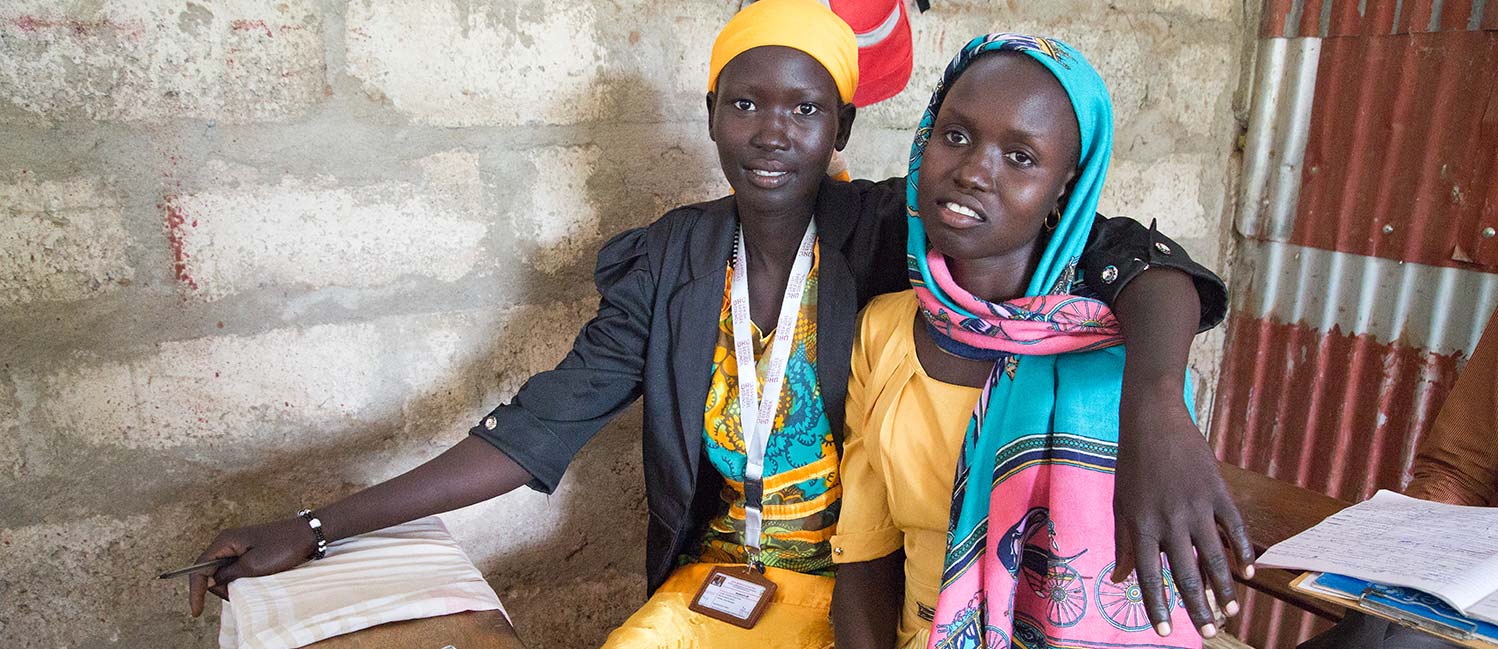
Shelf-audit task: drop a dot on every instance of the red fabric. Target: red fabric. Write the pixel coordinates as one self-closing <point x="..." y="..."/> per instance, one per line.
<point x="883" y="66"/>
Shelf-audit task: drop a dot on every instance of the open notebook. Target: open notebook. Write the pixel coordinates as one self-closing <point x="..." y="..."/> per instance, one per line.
<point x="405" y="572"/>
<point x="1393" y="550"/>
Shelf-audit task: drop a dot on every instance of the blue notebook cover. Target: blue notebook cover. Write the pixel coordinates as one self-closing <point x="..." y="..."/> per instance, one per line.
<point x="1409" y="604"/>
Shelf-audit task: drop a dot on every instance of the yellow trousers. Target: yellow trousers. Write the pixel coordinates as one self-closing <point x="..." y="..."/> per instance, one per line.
<point x="798" y="617"/>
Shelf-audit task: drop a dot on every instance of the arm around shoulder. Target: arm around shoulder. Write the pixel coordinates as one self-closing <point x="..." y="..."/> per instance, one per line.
<point x="1162" y="299"/>
<point x="1121" y="250"/>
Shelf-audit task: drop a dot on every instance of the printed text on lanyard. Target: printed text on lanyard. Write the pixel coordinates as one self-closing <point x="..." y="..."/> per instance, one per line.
<point x="756" y="412"/>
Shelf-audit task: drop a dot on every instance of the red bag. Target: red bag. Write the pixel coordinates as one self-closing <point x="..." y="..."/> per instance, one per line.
<point x="884" y="46"/>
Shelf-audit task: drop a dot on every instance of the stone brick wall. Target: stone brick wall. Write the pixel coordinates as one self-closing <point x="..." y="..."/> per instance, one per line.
<point x="260" y="254"/>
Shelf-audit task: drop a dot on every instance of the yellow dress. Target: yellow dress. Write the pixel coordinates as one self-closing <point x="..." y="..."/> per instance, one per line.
<point x="900" y="451"/>
<point x="797" y="617"/>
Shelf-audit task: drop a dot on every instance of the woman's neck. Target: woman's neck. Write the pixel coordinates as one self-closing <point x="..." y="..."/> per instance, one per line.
<point x="771" y="239"/>
<point x="996" y="279"/>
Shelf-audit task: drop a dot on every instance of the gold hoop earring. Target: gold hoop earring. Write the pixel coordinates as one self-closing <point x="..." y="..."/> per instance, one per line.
<point x="1050" y="226"/>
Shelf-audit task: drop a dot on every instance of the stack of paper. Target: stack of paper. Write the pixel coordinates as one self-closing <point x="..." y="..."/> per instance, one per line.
<point x="1424" y="563"/>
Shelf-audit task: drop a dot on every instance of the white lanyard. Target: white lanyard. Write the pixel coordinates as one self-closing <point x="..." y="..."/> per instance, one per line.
<point x="756" y="426"/>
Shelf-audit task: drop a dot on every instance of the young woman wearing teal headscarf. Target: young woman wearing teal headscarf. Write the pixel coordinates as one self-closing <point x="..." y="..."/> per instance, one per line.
<point x="1005" y="174"/>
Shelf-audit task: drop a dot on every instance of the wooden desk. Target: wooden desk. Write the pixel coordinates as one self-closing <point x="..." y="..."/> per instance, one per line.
<point x="1275" y="510"/>
<point x="471" y="630"/>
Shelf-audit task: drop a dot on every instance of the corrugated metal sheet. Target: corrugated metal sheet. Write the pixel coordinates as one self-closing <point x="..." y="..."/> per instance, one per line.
<point x="1335" y="366"/>
<point x="1438" y="309"/>
<point x="1330" y="411"/>
<point x="1371" y="173"/>
<point x="1337" y="413"/>
<point x="1330" y="18"/>
<point x="1274" y="154"/>
<point x="1399" y="159"/>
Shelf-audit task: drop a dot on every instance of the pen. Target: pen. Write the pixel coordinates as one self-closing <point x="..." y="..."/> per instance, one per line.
<point x="214" y="564"/>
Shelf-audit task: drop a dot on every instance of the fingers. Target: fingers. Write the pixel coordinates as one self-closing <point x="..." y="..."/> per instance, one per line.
<point x="1231" y="523"/>
<point x="1215" y="565"/>
<point x="199" y="583"/>
<point x="1151" y="585"/>
<point x="220" y="590"/>
<point x="1189" y="584"/>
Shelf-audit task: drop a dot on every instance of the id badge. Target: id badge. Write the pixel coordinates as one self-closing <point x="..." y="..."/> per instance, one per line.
<point x="737" y="595"/>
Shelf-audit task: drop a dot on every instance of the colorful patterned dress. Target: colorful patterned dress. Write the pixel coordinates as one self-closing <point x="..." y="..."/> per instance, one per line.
<point x="802" y="490"/>
<point x="803" y="496"/>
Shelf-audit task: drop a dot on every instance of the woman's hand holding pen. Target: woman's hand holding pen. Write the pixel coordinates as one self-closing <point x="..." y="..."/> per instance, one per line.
<point x="264" y="549"/>
<point x="470" y="472"/>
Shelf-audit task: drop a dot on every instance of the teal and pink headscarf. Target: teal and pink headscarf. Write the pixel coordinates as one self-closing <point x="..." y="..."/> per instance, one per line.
<point x="1030" y="539"/>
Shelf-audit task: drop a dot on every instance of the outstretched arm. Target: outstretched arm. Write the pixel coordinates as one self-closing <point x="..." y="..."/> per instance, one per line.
<point x="530" y="440"/>
<point x="470" y="472"/>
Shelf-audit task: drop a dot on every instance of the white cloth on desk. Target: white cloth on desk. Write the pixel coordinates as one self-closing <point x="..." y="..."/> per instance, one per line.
<point x="405" y="572"/>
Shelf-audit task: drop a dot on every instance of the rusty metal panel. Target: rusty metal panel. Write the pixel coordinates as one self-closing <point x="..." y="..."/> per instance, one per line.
<point x="1399" y="162"/>
<point x="1365" y="279"/>
<point x="1486" y="173"/>
<point x="1274" y="18"/>
<point x="1325" y="18"/>
<point x="1335" y="363"/>
<point x="1331" y="352"/>
<point x="1313" y="17"/>
<point x="1267" y="623"/>
<point x="1332" y="412"/>
<point x="1415" y="16"/>
<point x="1433" y="308"/>
<point x="1344" y="19"/>
<point x="1335" y="366"/>
<point x="1278" y="126"/>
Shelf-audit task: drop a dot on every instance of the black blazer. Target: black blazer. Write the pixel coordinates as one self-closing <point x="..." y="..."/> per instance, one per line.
<point x="661" y="290"/>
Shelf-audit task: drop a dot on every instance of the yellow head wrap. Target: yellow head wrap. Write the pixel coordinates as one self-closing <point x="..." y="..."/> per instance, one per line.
<point x="805" y="25"/>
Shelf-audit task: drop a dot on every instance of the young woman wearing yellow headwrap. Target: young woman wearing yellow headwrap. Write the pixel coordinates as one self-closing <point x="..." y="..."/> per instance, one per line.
<point x="782" y="78"/>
